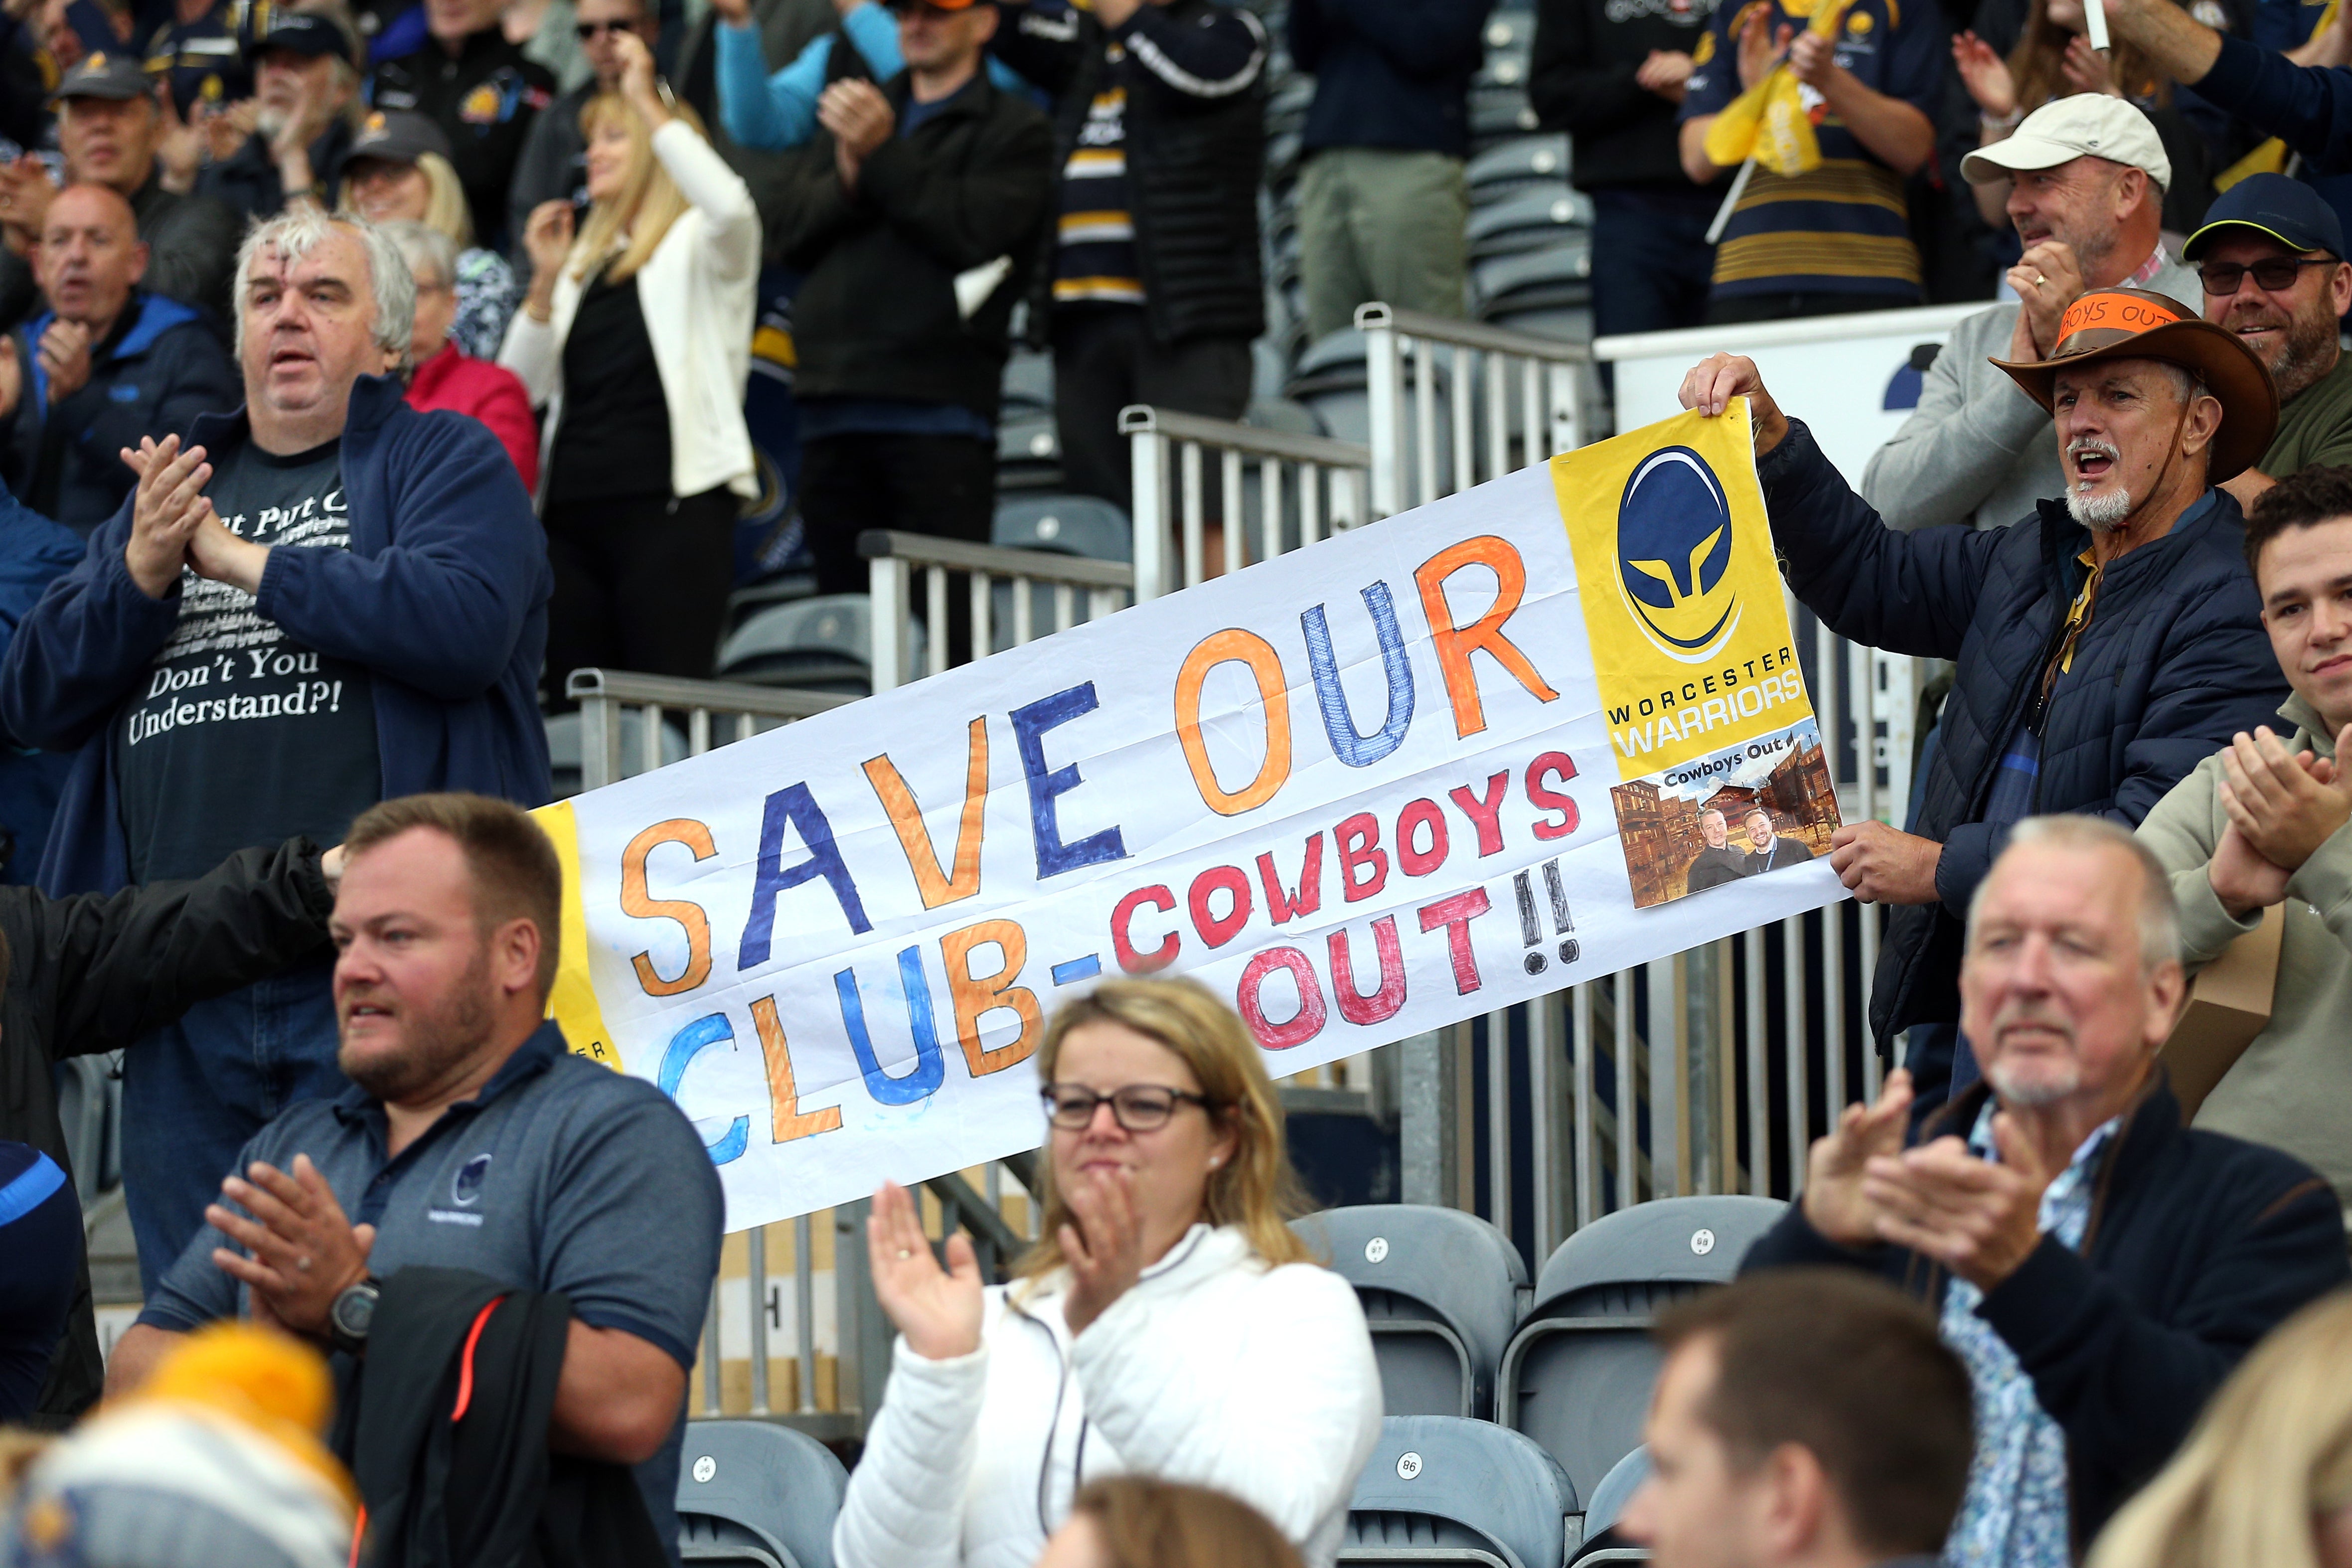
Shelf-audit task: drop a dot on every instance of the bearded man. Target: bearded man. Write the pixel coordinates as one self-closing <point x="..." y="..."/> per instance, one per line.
<point x="2106" y="645"/>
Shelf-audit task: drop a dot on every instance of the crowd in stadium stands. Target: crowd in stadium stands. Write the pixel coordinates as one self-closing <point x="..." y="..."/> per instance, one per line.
<point x="366" y="369"/>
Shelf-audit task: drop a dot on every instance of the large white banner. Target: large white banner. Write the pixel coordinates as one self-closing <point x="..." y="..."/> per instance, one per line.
<point x="1418" y="771"/>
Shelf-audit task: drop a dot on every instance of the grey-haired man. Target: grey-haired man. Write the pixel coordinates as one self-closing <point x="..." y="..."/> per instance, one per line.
<point x="324" y="600"/>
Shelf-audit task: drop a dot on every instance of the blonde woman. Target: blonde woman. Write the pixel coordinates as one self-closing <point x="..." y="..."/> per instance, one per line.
<point x="1167" y="1323"/>
<point x="2265" y="1480"/>
<point x="1135" y="1522"/>
<point x="399" y="171"/>
<point x="636" y="340"/>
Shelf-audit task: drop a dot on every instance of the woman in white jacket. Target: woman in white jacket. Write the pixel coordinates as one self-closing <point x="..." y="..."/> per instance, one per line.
<point x="635" y="339"/>
<point x="1168" y="1323"/>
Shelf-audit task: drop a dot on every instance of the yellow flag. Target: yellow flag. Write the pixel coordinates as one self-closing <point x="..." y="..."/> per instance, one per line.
<point x="573" y="1004"/>
<point x="1768" y="122"/>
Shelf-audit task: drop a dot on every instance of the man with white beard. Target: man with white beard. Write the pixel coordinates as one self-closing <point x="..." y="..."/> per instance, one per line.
<point x="2099" y="1268"/>
<point x="2105" y="646"/>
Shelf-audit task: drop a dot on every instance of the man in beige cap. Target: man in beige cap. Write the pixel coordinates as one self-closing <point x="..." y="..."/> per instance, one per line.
<point x="2104" y="646"/>
<point x="2087" y="176"/>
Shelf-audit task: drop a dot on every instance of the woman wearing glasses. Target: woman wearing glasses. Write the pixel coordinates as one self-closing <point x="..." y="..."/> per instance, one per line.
<point x="1167" y="1322"/>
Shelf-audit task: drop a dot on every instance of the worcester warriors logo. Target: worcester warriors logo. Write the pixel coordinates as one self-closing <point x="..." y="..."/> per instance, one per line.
<point x="465" y="1186"/>
<point x="1673" y="555"/>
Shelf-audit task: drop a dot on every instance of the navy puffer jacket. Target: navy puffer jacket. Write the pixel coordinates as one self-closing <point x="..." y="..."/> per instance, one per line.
<point x="2174" y="662"/>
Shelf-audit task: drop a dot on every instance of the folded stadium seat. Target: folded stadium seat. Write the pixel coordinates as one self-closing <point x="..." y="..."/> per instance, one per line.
<point x="1509" y="167"/>
<point x="1028" y="451"/>
<point x="745" y="602"/>
<point x="1577" y="1375"/>
<point x="1440" y="1291"/>
<point x="90" y="1101"/>
<point x="1287" y="105"/>
<point x="1282" y="155"/>
<point x="1028" y="384"/>
<point x="1499" y="113"/>
<point x="1538" y="217"/>
<point x="1331" y="381"/>
<point x="824" y="643"/>
<point x="1441" y="1490"/>
<point x="1511" y="31"/>
<point x="1546" y="292"/>
<point x="565" y="748"/>
<point x="1601" y="1544"/>
<point x="759" y="1494"/>
<point x="1505" y="66"/>
<point x="1269" y="365"/>
<point x="1065" y="525"/>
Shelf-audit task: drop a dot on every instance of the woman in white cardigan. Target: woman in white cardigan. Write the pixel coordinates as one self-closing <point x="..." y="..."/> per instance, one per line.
<point x="1168" y="1323"/>
<point x="635" y="340"/>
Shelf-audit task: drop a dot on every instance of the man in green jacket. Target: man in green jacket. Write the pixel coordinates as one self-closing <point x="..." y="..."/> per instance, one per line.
<point x="2264" y="823"/>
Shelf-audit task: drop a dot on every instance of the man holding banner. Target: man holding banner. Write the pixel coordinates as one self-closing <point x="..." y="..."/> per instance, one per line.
<point x="2104" y="647"/>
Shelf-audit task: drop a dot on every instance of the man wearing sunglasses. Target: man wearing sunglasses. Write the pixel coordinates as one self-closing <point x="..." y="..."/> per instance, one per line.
<point x="554" y="163"/>
<point x="2271" y="257"/>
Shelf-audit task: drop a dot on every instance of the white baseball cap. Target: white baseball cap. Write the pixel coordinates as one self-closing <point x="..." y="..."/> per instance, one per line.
<point x="2088" y="124"/>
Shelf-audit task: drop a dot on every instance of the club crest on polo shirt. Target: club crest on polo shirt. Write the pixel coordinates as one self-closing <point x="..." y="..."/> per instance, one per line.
<point x="465" y="1191"/>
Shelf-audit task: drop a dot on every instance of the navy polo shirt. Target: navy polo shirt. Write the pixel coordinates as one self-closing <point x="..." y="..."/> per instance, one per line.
<point x="560" y="1176"/>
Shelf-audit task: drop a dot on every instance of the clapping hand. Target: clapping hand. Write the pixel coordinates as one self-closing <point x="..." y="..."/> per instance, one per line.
<point x="168" y="507"/>
<point x="1978" y="1219"/>
<point x="2284" y="804"/>
<point x="2086" y="69"/>
<point x="2047" y="280"/>
<point x="304" y="1251"/>
<point x="65" y="359"/>
<point x="12" y="376"/>
<point x="1835" y="1202"/>
<point x="1813" y="58"/>
<point x="1759" y="47"/>
<point x="937" y="1310"/>
<point x="1666" y="72"/>
<point x="638" y="84"/>
<point x="860" y="119"/>
<point x="1104" y="1246"/>
<point x="1986" y="76"/>
<point x="2241" y="877"/>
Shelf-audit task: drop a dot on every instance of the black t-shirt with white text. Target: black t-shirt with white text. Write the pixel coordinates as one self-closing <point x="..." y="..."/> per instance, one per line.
<point x="240" y="735"/>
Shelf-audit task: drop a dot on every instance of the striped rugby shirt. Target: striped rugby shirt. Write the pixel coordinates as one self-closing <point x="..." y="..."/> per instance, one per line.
<point x="1844" y="228"/>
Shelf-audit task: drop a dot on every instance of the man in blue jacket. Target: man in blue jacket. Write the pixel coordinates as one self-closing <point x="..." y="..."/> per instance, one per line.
<point x="2105" y="645"/>
<point x="2098" y="1267"/>
<point x="2307" y="107"/>
<point x="34" y="553"/>
<point x="324" y="600"/>
<point x="105" y="364"/>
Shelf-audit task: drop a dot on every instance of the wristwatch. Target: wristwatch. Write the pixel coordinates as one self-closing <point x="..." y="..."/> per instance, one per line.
<point x="350" y="1314"/>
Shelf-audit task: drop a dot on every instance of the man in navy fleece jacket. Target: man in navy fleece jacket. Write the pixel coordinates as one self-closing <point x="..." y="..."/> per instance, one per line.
<point x="2307" y="107"/>
<point x="325" y="600"/>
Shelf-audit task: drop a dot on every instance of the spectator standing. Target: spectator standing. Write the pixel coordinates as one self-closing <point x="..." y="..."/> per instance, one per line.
<point x="106" y="365"/>
<point x="482" y="91"/>
<point x="108" y="127"/>
<point x="2104" y="647"/>
<point x="307" y="91"/>
<point x="1612" y="77"/>
<point x="442" y="374"/>
<point x="778" y="112"/>
<point x="399" y="171"/>
<point x="2257" y="826"/>
<point x="351" y="608"/>
<point x="591" y="1182"/>
<point x="2267" y="1475"/>
<point x="2308" y="107"/>
<point x="96" y="971"/>
<point x="41" y="1244"/>
<point x="913" y="214"/>
<point x="636" y="340"/>
<point x="1141" y="1521"/>
<point x="1804" y="1418"/>
<point x="1836" y="238"/>
<point x="1149" y="290"/>
<point x="2085" y="177"/>
<point x="35" y="550"/>
<point x="2098" y="1267"/>
<point x="195" y="54"/>
<point x="2271" y="258"/>
<point x="1382" y="195"/>
<point x="552" y="164"/>
<point x="1168" y="1322"/>
<point x="2052" y="60"/>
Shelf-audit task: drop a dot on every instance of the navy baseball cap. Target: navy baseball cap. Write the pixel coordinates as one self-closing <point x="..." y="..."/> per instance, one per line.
<point x="304" y="32"/>
<point x="106" y="73"/>
<point x="2274" y="207"/>
<point x="398" y="136"/>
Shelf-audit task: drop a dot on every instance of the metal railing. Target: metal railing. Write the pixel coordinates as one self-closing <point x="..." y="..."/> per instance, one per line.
<point x="609" y="698"/>
<point x="1006" y="590"/>
<point x="1540" y="396"/>
<point x="1275" y="492"/>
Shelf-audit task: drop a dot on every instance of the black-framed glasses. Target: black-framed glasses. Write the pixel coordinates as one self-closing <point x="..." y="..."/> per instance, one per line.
<point x="587" y="31"/>
<point x="2273" y="274"/>
<point x="1138" y="1107"/>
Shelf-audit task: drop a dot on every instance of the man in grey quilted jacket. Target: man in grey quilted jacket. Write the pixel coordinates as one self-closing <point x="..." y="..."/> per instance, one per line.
<point x="2087" y="176"/>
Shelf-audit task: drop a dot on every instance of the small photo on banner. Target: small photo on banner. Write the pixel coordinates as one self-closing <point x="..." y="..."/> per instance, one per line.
<point x="1720" y="759"/>
<point x="1755" y="807"/>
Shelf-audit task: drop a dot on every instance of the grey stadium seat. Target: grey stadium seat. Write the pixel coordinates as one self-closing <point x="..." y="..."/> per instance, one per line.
<point x="1511" y="32"/>
<point x="566" y="750"/>
<point x="759" y="1494"/>
<point x="1065" y="525"/>
<point x="1440" y="1291"/>
<point x="1511" y="166"/>
<point x="1531" y="219"/>
<point x="821" y="644"/>
<point x="1607" y="1505"/>
<point x="1577" y="1375"/>
<point x="1439" y="1489"/>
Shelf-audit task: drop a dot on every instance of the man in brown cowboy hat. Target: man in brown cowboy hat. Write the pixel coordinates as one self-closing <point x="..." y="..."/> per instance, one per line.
<point x="2105" y="646"/>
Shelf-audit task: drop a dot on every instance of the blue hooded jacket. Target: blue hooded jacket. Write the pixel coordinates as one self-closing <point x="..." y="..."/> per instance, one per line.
<point x="165" y="370"/>
<point x="443" y="595"/>
<point x="34" y="553"/>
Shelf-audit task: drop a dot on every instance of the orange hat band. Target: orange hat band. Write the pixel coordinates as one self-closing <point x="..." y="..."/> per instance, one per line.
<point x="2125" y="313"/>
